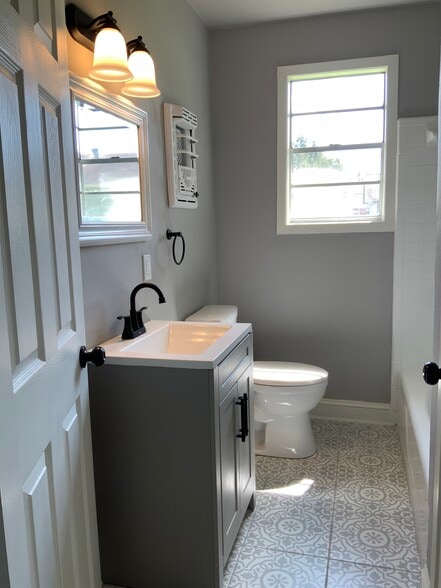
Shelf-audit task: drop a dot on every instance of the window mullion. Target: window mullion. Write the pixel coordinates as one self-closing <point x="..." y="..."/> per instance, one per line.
<point x="335" y="184"/>
<point x="112" y="160"/>
<point x="336" y="111"/>
<point x="336" y="147"/>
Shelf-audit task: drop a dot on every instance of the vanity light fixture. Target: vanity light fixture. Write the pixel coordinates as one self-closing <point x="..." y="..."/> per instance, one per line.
<point x="102" y="36"/>
<point x="143" y="83"/>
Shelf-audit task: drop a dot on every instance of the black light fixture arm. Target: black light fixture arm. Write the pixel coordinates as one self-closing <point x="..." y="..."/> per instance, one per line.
<point x="136" y="45"/>
<point x="83" y="28"/>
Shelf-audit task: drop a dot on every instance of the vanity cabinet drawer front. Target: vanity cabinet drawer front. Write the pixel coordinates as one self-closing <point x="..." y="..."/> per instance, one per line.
<point x="234" y="365"/>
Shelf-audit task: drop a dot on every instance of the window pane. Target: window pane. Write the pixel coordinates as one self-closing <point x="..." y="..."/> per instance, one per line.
<point x="107" y="143"/>
<point x="88" y="116"/>
<point x="336" y="167"/>
<point x="344" y="128"/>
<point x="338" y="93"/>
<point x="121" y="176"/>
<point x="103" y="135"/>
<point x="110" y="208"/>
<point x="335" y="202"/>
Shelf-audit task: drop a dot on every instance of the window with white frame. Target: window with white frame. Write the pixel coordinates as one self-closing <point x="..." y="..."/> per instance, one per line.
<point x="337" y="126"/>
<point x="112" y="167"/>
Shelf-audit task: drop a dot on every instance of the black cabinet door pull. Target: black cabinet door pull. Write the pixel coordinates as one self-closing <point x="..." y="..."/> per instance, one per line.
<point x="243" y="403"/>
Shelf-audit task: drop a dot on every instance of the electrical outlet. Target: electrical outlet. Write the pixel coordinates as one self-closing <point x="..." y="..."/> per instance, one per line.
<point x="147" y="266"/>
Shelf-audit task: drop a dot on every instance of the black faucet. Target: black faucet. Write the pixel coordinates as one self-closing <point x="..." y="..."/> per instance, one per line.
<point x="133" y="323"/>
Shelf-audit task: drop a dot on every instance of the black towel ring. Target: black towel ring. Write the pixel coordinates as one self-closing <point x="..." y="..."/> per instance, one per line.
<point x="174" y="236"/>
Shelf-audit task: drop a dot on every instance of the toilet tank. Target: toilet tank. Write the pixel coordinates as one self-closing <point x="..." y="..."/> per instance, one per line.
<point x="215" y="313"/>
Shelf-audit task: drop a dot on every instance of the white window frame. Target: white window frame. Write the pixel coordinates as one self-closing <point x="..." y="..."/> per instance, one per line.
<point x="311" y="70"/>
<point x="110" y="233"/>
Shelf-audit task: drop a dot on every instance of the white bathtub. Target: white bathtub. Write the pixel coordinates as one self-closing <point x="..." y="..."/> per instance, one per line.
<point x="414" y="431"/>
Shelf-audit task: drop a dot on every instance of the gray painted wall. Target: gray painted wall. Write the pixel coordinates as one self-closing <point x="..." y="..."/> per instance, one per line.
<point x="179" y="45"/>
<point x="320" y="299"/>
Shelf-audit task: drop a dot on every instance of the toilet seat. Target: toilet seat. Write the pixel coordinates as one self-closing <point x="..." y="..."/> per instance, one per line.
<point x="283" y="373"/>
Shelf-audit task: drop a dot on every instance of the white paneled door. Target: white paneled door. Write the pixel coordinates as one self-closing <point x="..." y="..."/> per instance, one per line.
<point x="46" y="488"/>
<point x="434" y="549"/>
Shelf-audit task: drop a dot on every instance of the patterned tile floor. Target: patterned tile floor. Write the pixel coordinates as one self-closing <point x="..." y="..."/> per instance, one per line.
<point x="338" y="519"/>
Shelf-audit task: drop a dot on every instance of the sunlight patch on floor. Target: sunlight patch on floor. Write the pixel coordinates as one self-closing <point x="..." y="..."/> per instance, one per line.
<point x="297" y="489"/>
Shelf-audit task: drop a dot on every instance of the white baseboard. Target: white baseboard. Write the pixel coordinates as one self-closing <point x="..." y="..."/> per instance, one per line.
<point x="352" y="410"/>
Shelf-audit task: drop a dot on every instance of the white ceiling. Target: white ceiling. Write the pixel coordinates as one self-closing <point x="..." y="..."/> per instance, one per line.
<point x="221" y="13"/>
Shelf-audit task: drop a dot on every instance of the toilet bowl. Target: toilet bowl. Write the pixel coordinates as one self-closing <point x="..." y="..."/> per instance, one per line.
<point x="284" y="394"/>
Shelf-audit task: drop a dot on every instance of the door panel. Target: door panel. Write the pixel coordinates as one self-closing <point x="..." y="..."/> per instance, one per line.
<point x="77" y="489"/>
<point x="57" y="226"/>
<point x="44" y="23"/>
<point x="15" y="230"/>
<point x="38" y="493"/>
<point x="46" y="482"/>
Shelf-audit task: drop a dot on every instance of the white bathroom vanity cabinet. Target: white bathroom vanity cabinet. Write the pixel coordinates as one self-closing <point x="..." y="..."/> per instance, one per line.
<point x="174" y="469"/>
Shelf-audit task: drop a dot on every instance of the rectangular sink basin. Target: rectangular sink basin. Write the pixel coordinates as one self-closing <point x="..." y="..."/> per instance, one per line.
<point x="178" y="338"/>
<point x="177" y="344"/>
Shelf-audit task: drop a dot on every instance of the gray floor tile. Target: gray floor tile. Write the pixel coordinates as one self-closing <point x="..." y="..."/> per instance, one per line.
<point x="260" y="568"/>
<point x="326" y="433"/>
<point x="231" y="563"/>
<point x="371" y="454"/>
<point x="238" y="544"/>
<point x="300" y="492"/>
<point x="362" y="432"/>
<point x="385" y="495"/>
<point x="373" y="538"/>
<point x="303" y="527"/>
<point x="349" y="470"/>
<point x="348" y="505"/>
<point x="274" y="473"/>
<point x="342" y="574"/>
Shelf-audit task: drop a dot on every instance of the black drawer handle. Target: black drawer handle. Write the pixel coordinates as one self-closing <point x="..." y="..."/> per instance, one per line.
<point x="243" y="431"/>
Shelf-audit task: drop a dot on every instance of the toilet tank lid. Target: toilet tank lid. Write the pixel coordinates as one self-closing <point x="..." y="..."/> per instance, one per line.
<point x="214" y="313"/>
<point x="281" y="373"/>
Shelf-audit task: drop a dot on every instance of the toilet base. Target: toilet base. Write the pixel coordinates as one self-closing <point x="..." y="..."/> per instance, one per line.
<point x="289" y="437"/>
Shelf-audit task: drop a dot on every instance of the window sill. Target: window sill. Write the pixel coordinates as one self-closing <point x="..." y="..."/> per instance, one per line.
<point x="113" y="235"/>
<point x="358" y="227"/>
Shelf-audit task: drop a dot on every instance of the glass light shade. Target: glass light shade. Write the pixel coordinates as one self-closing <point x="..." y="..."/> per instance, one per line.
<point x="110" y="57"/>
<point x="143" y="83"/>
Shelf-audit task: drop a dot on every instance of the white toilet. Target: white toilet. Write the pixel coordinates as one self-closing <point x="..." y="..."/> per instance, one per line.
<point x="284" y="393"/>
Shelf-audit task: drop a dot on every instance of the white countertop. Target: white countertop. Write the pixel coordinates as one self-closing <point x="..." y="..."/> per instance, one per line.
<point x="119" y="352"/>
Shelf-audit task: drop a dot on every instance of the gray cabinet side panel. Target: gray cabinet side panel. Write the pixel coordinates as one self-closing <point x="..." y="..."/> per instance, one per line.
<point x="155" y="476"/>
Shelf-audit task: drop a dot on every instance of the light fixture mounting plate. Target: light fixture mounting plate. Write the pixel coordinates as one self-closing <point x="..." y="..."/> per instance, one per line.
<point x="83" y="28"/>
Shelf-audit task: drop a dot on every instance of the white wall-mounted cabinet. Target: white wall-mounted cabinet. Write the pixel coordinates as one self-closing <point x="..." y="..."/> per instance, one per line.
<point x="180" y="147"/>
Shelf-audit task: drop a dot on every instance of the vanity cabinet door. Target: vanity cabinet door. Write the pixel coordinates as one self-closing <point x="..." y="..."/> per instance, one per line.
<point x="246" y="460"/>
<point x="237" y="457"/>
<point x="228" y="412"/>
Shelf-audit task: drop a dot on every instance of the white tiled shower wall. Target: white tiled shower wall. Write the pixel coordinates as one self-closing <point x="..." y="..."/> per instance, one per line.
<point x="414" y="250"/>
<point x="413" y="306"/>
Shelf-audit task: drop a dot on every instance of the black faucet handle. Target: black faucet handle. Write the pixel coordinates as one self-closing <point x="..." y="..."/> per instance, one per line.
<point x="139" y="320"/>
<point x="128" y="329"/>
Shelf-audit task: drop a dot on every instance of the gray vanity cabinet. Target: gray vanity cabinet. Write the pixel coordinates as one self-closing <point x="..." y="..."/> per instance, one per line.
<point x="237" y="460"/>
<point x="173" y="480"/>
